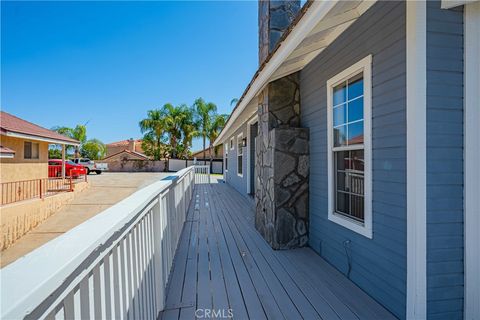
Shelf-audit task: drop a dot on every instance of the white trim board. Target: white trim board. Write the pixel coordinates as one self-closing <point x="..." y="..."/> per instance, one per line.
<point x="472" y="160"/>
<point x="416" y="39"/>
<point x="239" y="138"/>
<point x="37" y="138"/>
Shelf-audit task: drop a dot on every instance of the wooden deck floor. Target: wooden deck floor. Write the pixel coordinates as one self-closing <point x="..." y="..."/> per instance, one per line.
<point x="223" y="263"/>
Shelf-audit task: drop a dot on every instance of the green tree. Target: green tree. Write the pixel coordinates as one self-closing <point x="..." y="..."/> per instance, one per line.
<point x="204" y="111"/>
<point x="93" y="149"/>
<point x="54" y="152"/>
<point x="154" y="140"/>
<point x="157" y="150"/>
<point x="173" y="118"/>
<point x="78" y="133"/>
<point x="216" y="125"/>
<point x="189" y="131"/>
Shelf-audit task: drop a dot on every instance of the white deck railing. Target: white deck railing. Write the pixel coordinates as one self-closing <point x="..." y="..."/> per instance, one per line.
<point x="202" y="174"/>
<point x="113" y="266"/>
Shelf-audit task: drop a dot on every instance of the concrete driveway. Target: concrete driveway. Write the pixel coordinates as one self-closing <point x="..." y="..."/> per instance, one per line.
<point x="105" y="190"/>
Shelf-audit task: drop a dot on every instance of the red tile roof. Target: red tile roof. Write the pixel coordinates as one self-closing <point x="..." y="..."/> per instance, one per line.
<point x="10" y="123"/>
<point x="138" y="154"/>
<point x="122" y="143"/>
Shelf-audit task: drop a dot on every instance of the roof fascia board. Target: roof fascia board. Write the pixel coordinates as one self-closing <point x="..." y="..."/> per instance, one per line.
<point x="314" y="14"/>
<point x="37" y="138"/>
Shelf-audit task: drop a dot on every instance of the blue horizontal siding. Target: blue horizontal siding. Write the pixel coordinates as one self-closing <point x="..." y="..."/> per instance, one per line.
<point x="231" y="177"/>
<point x="378" y="264"/>
<point x="444" y="162"/>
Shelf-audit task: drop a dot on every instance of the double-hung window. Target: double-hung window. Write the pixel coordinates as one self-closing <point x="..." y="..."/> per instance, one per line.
<point x="240" y="155"/>
<point x="31" y="150"/>
<point x="349" y="147"/>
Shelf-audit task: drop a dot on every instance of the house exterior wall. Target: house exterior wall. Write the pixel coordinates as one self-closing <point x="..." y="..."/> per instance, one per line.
<point x="126" y="162"/>
<point x="115" y="148"/>
<point x="216" y="155"/>
<point x="378" y="265"/>
<point x="231" y="177"/>
<point x="18" y="168"/>
<point x="445" y="244"/>
<point x="20" y="217"/>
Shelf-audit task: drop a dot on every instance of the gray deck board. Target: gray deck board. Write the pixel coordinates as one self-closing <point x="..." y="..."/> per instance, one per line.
<point x="223" y="263"/>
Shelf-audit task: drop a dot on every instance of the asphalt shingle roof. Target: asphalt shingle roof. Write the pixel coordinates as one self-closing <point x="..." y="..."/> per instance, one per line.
<point x="11" y="123"/>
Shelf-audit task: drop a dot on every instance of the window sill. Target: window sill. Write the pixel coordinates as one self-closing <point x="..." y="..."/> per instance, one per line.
<point x="350" y="224"/>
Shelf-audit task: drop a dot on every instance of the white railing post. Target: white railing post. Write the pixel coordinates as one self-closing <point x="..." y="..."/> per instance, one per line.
<point x="157" y="255"/>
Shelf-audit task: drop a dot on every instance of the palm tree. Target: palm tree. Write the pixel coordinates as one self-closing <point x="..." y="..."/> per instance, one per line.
<point x="204" y="111"/>
<point x="189" y="130"/>
<point x="153" y="129"/>
<point x="173" y="117"/>
<point x="78" y="133"/>
<point x="217" y="123"/>
<point x="233" y="102"/>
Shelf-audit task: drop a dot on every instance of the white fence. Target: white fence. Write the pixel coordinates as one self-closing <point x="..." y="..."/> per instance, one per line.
<point x="177" y="164"/>
<point x="113" y="266"/>
<point x="202" y="174"/>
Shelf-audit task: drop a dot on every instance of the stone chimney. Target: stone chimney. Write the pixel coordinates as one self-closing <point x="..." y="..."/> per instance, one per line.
<point x="131" y="144"/>
<point x="274" y="17"/>
<point x="282" y="146"/>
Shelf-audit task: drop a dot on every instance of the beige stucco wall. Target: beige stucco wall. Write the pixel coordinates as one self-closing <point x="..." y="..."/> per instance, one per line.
<point x="125" y="162"/>
<point x="18" y="168"/>
<point x="20" y="217"/>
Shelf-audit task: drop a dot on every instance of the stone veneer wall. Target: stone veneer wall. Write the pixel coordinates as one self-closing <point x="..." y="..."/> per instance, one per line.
<point x="274" y="17"/>
<point x="281" y="194"/>
<point x="282" y="166"/>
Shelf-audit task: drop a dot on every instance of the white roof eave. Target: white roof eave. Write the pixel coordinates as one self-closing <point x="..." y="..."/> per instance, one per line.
<point x="313" y="15"/>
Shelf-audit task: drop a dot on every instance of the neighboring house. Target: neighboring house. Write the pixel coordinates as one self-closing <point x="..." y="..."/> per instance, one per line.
<point x="24" y="148"/>
<point x="131" y="161"/>
<point x="217" y="153"/>
<point x="24" y="176"/>
<point x="130" y="144"/>
<point x="358" y="136"/>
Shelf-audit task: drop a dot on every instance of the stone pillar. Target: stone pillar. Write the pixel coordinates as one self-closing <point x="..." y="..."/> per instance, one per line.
<point x="282" y="147"/>
<point x="282" y="166"/>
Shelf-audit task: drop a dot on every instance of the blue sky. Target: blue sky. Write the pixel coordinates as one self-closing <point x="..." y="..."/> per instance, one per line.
<point x="107" y="63"/>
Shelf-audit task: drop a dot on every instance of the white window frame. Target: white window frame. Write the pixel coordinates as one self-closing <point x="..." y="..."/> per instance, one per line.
<point x="239" y="140"/>
<point x="232" y="145"/>
<point x="32" y="143"/>
<point x="365" y="228"/>
<point x="226" y="157"/>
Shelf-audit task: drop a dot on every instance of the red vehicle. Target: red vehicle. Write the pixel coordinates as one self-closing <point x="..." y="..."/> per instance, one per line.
<point x="71" y="169"/>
